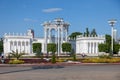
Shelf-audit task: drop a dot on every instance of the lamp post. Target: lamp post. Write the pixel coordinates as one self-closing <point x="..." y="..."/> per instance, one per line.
<point x="112" y="23"/>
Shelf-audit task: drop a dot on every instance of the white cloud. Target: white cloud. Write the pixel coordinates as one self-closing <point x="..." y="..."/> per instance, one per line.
<point x="50" y="10"/>
<point x="29" y="20"/>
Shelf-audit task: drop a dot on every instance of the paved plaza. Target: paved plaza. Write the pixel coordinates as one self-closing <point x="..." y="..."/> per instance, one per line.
<point x="75" y="72"/>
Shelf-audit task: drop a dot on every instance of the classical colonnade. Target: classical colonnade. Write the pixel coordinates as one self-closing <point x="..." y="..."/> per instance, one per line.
<point x="21" y="46"/>
<point x="56" y="32"/>
<point x="92" y="47"/>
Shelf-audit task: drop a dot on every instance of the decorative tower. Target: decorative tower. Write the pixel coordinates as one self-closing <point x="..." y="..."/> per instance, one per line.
<point x="56" y="31"/>
<point x="30" y="32"/>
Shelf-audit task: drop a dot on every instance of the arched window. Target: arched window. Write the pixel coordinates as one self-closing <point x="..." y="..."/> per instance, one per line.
<point x="23" y="43"/>
<point x="88" y="47"/>
<point x="15" y="43"/>
<point x="91" y="47"/>
<point x="11" y="42"/>
<point x="26" y="43"/>
<point x="95" y="47"/>
<point x="19" y="43"/>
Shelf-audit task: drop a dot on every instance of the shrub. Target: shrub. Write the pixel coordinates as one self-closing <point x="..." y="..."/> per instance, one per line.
<point x="74" y="57"/>
<point x="16" y="61"/>
<point x="53" y="58"/>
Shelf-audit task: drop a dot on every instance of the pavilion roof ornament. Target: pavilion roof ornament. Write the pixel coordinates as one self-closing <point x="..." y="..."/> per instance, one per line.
<point x="56" y="21"/>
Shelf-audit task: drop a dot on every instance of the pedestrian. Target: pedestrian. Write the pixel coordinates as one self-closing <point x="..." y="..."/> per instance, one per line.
<point x="2" y="58"/>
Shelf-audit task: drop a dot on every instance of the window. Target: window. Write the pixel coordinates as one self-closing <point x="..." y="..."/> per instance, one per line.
<point x="27" y="43"/>
<point x="19" y="43"/>
<point x="23" y="43"/>
<point x="11" y="43"/>
<point x="15" y="43"/>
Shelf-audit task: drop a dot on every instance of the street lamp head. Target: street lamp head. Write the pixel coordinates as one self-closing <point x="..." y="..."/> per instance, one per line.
<point x="112" y="22"/>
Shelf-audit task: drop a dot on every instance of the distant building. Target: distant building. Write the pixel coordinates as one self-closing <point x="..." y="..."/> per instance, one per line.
<point x="54" y="32"/>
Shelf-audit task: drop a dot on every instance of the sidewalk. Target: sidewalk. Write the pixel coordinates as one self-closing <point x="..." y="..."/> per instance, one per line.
<point x="56" y="64"/>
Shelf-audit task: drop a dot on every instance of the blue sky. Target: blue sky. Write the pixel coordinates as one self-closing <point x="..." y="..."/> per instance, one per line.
<point x="19" y="15"/>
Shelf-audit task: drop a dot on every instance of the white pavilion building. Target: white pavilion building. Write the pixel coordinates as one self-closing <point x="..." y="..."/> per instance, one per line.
<point x="89" y="45"/>
<point x="55" y="31"/>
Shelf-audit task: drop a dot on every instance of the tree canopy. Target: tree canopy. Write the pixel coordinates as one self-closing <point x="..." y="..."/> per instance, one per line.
<point x="66" y="47"/>
<point x="51" y="47"/>
<point x="1" y="45"/>
<point x="37" y="47"/>
<point x="106" y="47"/>
<point x="75" y="34"/>
<point x="93" y="33"/>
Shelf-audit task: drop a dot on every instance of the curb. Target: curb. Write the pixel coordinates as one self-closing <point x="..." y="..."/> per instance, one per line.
<point x="57" y="64"/>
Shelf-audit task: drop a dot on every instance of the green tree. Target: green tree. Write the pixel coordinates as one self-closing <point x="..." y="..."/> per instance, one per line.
<point x="37" y="47"/>
<point x="74" y="35"/>
<point x="17" y="55"/>
<point x="87" y="32"/>
<point x="106" y="47"/>
<point x="108" y="39"/>
<point x="38" y="53"/>
<point x="1" y="45"/>
<point x="73" y="55"/>
<point x="53" y="58"/>
<point x="101" y="47"/>
<point x="66" y="47"/>
<point x="116" y="48"/>
<point x="51" y="47"/>
<point x="93" y="33"/>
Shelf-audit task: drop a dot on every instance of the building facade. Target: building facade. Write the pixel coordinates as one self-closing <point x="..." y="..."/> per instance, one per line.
<point x="18" y="42"/>
<point x="89" y="45"/>
<point x="55" y="31"/>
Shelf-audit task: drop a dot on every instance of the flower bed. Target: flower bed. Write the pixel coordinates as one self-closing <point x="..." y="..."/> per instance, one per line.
<point x="28" y="61"/>
<point x="101" y="60"/>
<point x="15" y="61"/>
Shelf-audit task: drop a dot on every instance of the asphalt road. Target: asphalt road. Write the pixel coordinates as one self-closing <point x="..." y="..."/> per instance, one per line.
<point x="77" y="72"/>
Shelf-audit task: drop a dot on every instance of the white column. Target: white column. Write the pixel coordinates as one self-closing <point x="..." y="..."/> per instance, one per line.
<point x="13" y="45"/>
<point x="56" y="36"/>
<point x="25" y="47"/>
<point x="62" y="35"/>
<point x="66" y="35"/>
<point x="96" y="47"/>
<point x="112" y="39"/>
<point x="20" y="46"/>
<point x="45" y="47"/>
<point x="93" y="48"/>
<point x="90" y="47"/>
<point x="49" y="35"/>
<point x="79" y="47"/>
<point x="56" y="39"/>
<point x="58" y="42"/>
<point x="61" y="39"/>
